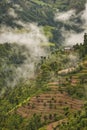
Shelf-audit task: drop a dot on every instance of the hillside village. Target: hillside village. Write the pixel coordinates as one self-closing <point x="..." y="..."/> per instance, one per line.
<point x="63" y="96"/>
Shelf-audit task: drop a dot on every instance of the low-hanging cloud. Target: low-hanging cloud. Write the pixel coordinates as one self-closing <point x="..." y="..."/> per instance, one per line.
<point x="78" y="37"/>
<point x="12" y="13"/>
<point x="32" y="37"/>
<point x="72" y="38"/>
<point x="69" y="18"/>
<point x="64" y="16"/>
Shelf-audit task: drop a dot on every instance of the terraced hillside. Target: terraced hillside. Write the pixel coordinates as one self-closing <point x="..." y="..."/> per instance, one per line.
<point x="50" y="103"/>
<point x="56" y="104"/>
<point x="53" y="95"/>
<point x="75" y="82"/>
<point x="50" y="97"/>
<point x="74" y="79"/>
<point x="64" y="97"/>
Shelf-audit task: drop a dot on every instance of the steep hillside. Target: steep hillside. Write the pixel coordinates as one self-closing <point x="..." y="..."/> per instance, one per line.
<point x="50" y="97"/>
<point x="42" y="12"/>
<point x="43" y="83"/>
<point x="11" y="58"/>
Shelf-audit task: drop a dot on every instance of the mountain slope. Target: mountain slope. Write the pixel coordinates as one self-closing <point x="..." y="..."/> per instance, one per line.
<point x="42" y="12"/>
<point x="39" y="83"/>
<point x="48" y="97"/>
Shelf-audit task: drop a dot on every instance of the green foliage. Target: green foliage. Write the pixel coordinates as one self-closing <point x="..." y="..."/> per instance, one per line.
<point x="47" y="71"/>
<point x="41" y="12"/>
<point x="82" y="50"/>
<point x="35" y="123"/>
<point x="11" y="57"/>
<point x="76" y="122"/>
<point x="10" y="122"/>
<point x="76" y="91"/>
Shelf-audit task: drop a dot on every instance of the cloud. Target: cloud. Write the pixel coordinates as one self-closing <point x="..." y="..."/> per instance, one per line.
<point x="71" y="37"/>
<point x="64" y="16"/>
<point x="69" y="18"/>
<point x="32" y="37"/>
<point x="74" y="37"/>
<point x="12" y="13"/>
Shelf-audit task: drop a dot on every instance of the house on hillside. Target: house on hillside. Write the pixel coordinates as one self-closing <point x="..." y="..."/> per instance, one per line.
<point x="68" y="49"/>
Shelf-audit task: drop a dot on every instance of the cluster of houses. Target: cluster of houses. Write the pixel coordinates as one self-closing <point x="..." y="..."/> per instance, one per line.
<point x="67" y="49"/>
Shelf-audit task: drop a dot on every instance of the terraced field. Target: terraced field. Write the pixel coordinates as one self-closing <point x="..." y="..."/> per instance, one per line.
<point x="52" y="103"/>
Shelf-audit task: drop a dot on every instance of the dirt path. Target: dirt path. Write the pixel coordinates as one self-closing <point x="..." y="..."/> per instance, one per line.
<point x="51" y="126"/>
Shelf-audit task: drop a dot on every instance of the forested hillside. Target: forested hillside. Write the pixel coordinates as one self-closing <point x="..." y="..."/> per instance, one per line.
<point x="57" y="94"/>
<point x="42" y="12"/>
<point x="43" y="65"/>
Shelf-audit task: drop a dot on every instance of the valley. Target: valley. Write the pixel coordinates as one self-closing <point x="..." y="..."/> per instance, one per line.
<point x="43" y="65"/>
